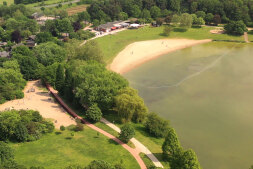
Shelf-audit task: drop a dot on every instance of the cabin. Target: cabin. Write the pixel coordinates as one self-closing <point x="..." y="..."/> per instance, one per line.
<point x="5" y="54"/>
<point x="135" y="26"/>
<point x="111" y="26"/>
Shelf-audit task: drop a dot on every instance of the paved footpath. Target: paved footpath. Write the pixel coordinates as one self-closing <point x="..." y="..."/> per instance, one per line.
<point x="133" y="152"/>
<point x="139" y="146"/>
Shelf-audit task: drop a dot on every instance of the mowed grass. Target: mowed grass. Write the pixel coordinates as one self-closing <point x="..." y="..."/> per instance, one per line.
<point x="57" y="151"/>
<point x="111" y="45"/>
<point x="76" y="9"/>
<point x="250" y="35"/>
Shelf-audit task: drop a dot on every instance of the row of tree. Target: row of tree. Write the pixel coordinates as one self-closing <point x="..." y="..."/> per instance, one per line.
<point x="107" y="10"/>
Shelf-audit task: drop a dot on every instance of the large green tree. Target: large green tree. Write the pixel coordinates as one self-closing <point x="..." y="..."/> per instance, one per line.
<point x="126" y="133"/>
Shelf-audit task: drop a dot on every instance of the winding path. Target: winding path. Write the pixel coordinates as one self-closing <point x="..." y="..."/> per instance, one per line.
<point x="139" y="146"/>
<point x="246" y="38"/>
<point x="134" y="152"/>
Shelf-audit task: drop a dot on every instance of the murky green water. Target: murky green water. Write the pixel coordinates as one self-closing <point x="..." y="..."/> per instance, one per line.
<point x="207" y="94"/>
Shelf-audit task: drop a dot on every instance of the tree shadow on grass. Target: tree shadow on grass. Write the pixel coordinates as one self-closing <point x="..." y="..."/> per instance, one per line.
<point x="112" y="142"/>
<point x="179" y="29"/>
<point x="250" y="32"/>
<point x="58" y="133"/>
<point x="159" y="156"/>
<point x="68" y="138"/>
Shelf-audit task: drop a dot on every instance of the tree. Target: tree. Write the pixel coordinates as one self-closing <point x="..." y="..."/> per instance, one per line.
<point x="62" y="128"/>
<point x="201" y="14"/>
<point x="190" y="160"/>
<point x="217" y="19"/>
<point x="167" y="30"/>
<point x="175" y="5"/>
<point x="186" y="20"/>
<point x="99" y="164"/>
<point x="21" y="133"/>
<point x="59" y="83"/>
<point x="126" y="133"/>
<point x="235" y="28"/>
<point x="49" y="53"/>
<point x="155" y="12"/>
<point x="209" y="18"/>
<point x="171" y="146"/>
<point x="43" y="37"/>
<point x="200" y="21"/>
<point x="29" y="67"/>
<point x="175" y="20"/>
<point x="130" y="106"/>
<point x="21" y="50"/>
<point x="95" y="84"/>
<point x="156" y="126"/>
<point x="145" y="14"/>
<point x="6" y="153"/>
<point x="94" y="113"/>
<point x="135" y="11"/>
<point x="77" y="26"/>
<point x="123" y="16"/>
<point x="16" y="36"/>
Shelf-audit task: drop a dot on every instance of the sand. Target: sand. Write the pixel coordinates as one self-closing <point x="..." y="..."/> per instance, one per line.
<point x="41" y="101"/>
<point x="138" y="53"/>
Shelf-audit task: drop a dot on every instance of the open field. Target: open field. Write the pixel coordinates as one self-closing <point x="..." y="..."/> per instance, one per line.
<point x="111" y="45"/>
<point x="250" y="34"/>
<point x="76" y="9"/>
<point x="58" y="150"/>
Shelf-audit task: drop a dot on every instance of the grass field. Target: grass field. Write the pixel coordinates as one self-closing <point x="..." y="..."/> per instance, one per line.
<point x="111" y="45"/>
<point x="250" y="34"/>
<point x="76" y="9"/>
<point x="56" y="151"/>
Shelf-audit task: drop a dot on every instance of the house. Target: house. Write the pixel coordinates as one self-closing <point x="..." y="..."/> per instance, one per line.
<point x="2" y="44"/>
<point x="4" y="54"/>
<point x="110" y="26"/>
<point x="30" y="43"/>
<point x="42" y="19"/>
<point x="65" y="35"/>
<point x="32" y="37"/>
<point x="135" y="25"/>
<point x="36" y="15"/>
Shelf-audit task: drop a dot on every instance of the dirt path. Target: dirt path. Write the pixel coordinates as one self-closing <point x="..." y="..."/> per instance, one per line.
<point x="139" y="146"/>
<point x="133" y="152"/>
<point x="41" y="101"/>
<point x="246" y="37"/>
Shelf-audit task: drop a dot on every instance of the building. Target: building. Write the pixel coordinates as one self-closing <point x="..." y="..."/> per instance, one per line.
<point x="42" y="19"/>
<point x="2" y="44"/>
<point x="4" y="54"/>
<point x="110" y="26"/>
<point x="135" y="25"/>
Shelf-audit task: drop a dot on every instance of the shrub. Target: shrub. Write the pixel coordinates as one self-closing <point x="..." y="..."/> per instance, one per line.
<point x="62" y="128"/>
<point x="99" y="164"/>
<point x="21" y="133"/>
<point x="236" y="28"/>
<point x="156" y="126"/>
<point x="127" y="132"/>
<point x="94" y="113"/>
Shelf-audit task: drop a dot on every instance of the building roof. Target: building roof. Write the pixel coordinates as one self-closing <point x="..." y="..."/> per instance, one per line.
<point x="3" y="43"/>
<point x="108" y="25"/>
<point x="4" y="54"/>
<point x="32" y="37"/>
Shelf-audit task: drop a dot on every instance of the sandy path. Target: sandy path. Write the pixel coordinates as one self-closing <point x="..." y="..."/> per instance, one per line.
<point x="139" y="146"/>
<point x="138" y="53"/>
<point x="42" y="102"/>
<point x="246" y="38"/>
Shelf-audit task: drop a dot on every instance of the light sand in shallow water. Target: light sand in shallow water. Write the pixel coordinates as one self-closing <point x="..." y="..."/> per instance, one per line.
<point x="138" y="53"/>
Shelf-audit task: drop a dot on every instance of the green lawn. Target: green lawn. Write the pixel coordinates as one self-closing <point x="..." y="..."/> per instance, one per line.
<point x="47" y="2"/>
<point x="56" y="151"/>
<point x="250" y="34"/>
<point x="111" y="45"/>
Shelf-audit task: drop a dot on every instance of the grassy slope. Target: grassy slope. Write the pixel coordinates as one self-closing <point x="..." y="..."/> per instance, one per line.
<point x="57" y="151"/>
<point x="111" y="45"/>
<point x="9" y="2"/>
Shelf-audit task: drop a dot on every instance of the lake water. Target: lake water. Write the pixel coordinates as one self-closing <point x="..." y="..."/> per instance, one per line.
<point x="206" y="92"/>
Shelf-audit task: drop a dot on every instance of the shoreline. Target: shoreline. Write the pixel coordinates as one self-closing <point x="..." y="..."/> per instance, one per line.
<point x="141" y="52"/>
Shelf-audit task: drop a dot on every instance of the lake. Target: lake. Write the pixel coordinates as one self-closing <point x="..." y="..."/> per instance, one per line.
<point x="206" y="92"/>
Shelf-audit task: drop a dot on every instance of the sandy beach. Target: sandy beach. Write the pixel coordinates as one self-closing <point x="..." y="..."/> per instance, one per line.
<point x="41" y="101"/>
<point x="138" y="53"/>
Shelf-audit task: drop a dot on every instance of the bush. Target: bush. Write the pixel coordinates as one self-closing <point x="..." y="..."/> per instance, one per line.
<point x="94" y="113"/>
<point x="156" y="126"/>
<point x="79" y="126"/>
<point x="99" y="164"/>
<point x="127" y="132"/>
<point x="235" y="28"/>
<point x="62" y="128"/>
<point x="21" y="133"/>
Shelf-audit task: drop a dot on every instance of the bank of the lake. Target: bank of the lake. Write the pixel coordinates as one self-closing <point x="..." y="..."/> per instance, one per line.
<point x="206" y="92"/>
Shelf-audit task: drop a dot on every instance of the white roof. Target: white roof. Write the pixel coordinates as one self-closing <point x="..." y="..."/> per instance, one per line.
<point x="135" y="25"/>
